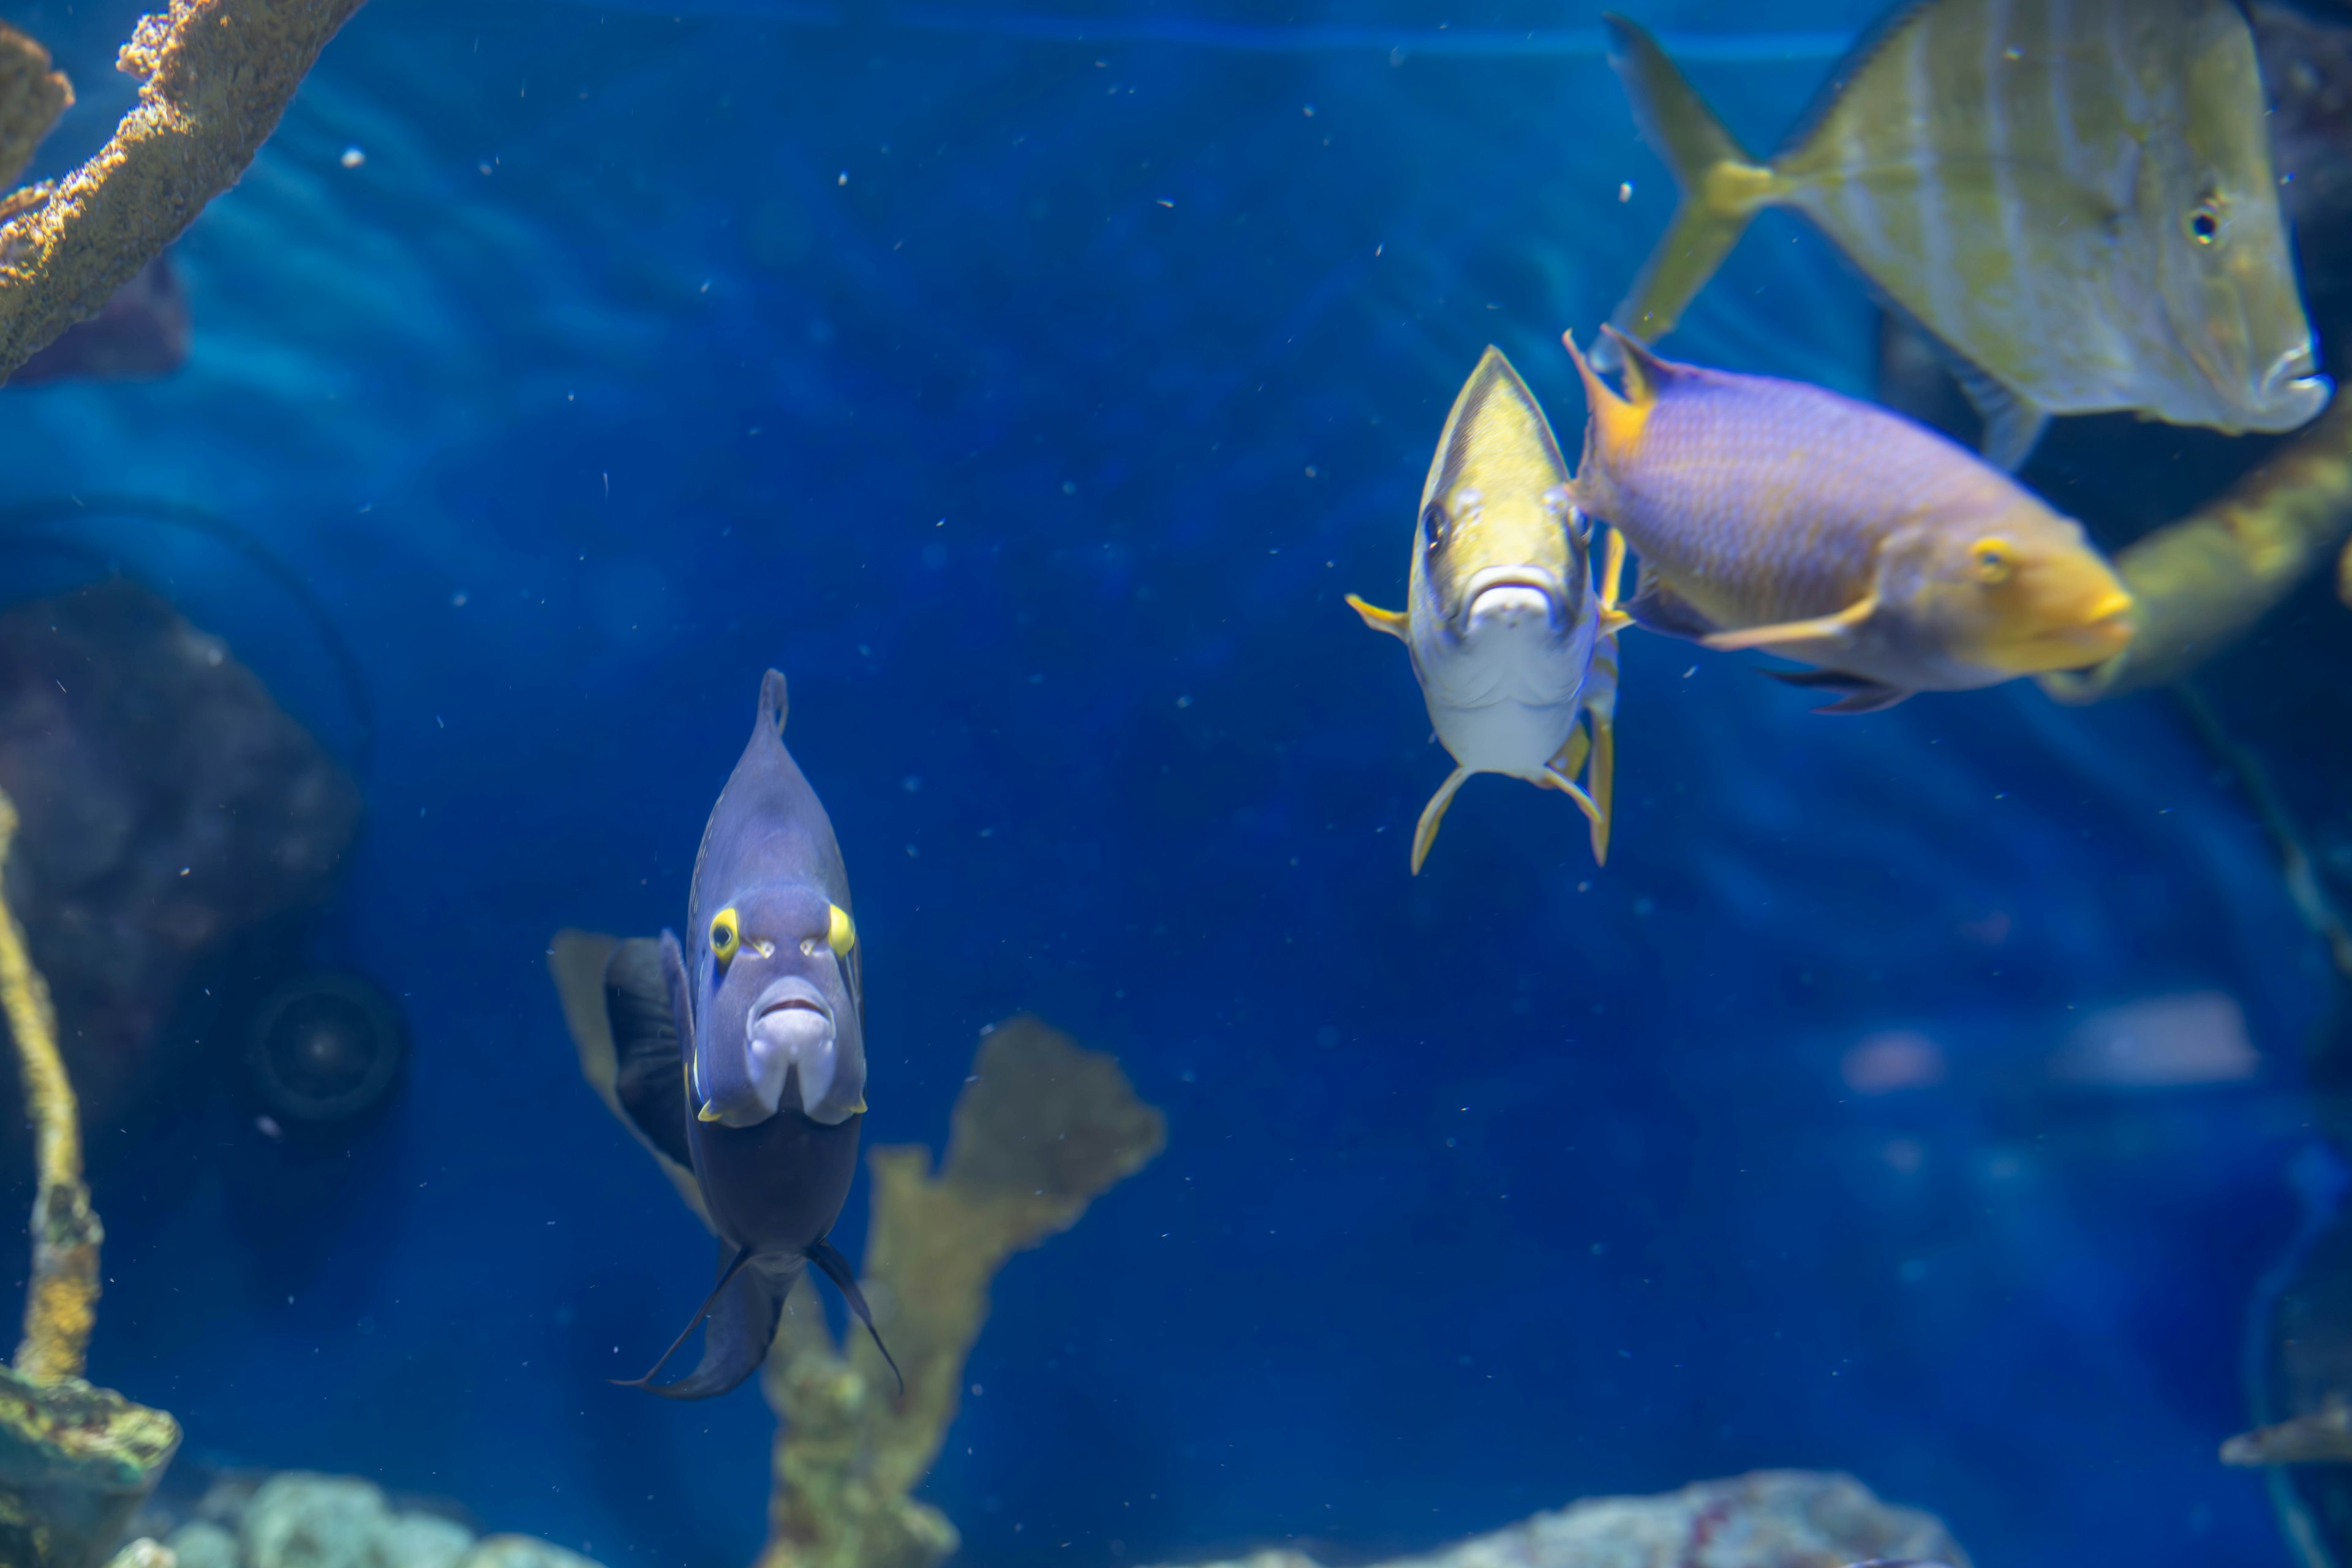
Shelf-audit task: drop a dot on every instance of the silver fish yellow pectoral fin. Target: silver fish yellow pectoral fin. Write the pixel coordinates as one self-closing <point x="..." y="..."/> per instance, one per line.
<point x="1722" y="187"/>
<point x="1424" y="832"/>
<point x="1613" y="577"/>
<point x="1396" y="622"/>
<point x="1836" y="628"/>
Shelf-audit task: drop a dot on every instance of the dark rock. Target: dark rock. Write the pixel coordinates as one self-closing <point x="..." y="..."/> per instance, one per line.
<point x="168" y="803"/>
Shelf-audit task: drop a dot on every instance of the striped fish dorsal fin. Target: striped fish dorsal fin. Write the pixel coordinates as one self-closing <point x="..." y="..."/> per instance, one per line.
<point x="1873" y="42"/>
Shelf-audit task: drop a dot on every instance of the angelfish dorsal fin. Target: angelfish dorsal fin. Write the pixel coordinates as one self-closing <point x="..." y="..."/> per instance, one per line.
<point x="775" y="702"/>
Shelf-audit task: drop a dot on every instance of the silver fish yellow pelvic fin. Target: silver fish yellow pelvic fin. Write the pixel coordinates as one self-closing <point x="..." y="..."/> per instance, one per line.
<point x="1396" y="622"/>
<point x="1424" y="832"/>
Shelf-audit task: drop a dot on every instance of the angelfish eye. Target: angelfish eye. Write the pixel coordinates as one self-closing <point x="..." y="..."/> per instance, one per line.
<point x="840" y="931"/>
<point x="726" y="935"/>
<point x="2205" y="221"/>
<point x="1993" y="560"/>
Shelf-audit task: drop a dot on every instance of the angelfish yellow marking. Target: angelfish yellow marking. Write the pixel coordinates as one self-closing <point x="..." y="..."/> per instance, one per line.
<point x="726" y="935"/>
<point x="840" y="931"/>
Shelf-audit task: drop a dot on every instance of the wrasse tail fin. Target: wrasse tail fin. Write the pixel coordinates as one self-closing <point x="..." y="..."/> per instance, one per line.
<point x="828" y="1258"/>
<point x="1722" y="187"/>
<point x="1858" y="695"/>
<point x="741" y="1309"/>
<point x="2013" y="426"/>
<point x="1396" y="622"/>
<point x="1424" y="832"/>
<point x="1821" y="628"/>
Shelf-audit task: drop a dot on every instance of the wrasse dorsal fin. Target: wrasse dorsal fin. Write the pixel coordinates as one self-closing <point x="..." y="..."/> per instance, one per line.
<point x="1722" y="187"/>
<point x="1615" y="425"/>
<point x="1396" y="622"/>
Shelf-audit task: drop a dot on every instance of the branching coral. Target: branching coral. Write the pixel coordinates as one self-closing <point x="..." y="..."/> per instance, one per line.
<point x="2201" y="583"/>
<point x="1042" y="1129"/>
<point x="215" y="75"/>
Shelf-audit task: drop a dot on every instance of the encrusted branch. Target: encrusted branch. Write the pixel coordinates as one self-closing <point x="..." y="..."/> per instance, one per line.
<point x="61" y="1300"/>
<point x="215" y="75"/>
<point x="2201" y="583"/>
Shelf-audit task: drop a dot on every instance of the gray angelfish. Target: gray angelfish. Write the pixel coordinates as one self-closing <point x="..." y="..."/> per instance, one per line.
<point x="745" y="1060"/>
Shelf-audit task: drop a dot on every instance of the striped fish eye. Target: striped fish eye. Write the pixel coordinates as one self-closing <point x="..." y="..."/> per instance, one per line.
<point x="1993" y="560"/>
<point x="1437" y="525"/>
<point x="726" y="935"/>
<point x="2205" y="221"/>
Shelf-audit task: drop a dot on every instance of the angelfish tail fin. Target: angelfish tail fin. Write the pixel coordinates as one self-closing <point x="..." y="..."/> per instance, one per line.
<point x="1722" y="187"/>
<point x="828" y="1259"/>
<point x="742" y="1312"/>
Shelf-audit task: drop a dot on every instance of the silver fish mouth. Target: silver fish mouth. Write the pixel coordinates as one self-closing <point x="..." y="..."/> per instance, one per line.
<point x="1510" y="596"/>
<point x="2293" y="392"/>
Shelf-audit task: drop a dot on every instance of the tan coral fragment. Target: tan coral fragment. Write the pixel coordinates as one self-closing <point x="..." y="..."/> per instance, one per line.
<point x="2200" y="583"/>
<point x="32" y="96"/>
<point x="216" y="76"/>
<point x="1043" y="1129"/>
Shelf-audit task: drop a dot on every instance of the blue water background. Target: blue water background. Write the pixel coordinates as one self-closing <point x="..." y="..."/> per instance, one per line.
<point x="1031" y="400"/>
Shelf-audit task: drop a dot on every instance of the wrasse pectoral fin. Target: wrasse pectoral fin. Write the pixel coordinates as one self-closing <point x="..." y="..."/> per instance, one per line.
<point x="1832" y="628"/>
<point x="1394" y="622"/>
<point x="1722" y="188"/>
<point x="1656" y="607"/>
<point x="1857" y="694"/>
<point x="1424" y="832"/>
<point x="827" y="1256"/>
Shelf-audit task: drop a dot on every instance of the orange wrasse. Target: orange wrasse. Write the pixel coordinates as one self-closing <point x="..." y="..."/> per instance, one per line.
<point x="1771" y="514"/>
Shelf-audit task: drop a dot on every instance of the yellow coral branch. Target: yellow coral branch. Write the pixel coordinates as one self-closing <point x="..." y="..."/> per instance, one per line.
<point x="2202" y="583"/>
<point x="32" y="96"/>
<point x="61" y="1301"/>
<point x="215" y="75"/>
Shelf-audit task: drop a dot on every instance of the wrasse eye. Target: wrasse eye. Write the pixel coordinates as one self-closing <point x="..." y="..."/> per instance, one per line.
<point x="726" y="935"/>
<point x="2205" y="221"/>
<point x="1993" y="560"/>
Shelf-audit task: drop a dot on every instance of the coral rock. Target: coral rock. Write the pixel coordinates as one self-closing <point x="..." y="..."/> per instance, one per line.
<point x="521" y="1552"/>
<point x="144" y="1554"/>
<point x="202" y="1545"/>
<point x="302" y="1520"/>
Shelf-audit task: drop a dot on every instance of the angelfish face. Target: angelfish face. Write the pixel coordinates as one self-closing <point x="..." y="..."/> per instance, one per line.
<point x="779" y="1026"/>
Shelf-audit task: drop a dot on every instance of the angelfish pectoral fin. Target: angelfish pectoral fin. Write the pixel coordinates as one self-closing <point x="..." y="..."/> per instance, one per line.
<point x="1856" y="695"/>
<point x="741" y="1310"/>
<point x="1834" y="627"/>
<point x="1424" y="832"/>
<point x="828" y="1258"/>
<point x="1394" y="622"/>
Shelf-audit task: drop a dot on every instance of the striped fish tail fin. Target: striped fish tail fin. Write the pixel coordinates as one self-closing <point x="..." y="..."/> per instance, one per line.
<point x="1722" y="187"/>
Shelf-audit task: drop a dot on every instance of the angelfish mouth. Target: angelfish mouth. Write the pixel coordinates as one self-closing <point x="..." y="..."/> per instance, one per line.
<point x="792" y="1042"/>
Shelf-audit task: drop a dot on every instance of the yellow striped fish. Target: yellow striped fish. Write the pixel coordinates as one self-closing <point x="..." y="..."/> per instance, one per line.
<point x="2073" y="196"/>
<point x="1503" y="624"/>
<point x="1771" y="514"/>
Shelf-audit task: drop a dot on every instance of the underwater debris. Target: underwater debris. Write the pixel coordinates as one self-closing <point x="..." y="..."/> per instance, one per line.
<point x="1042" y="1128"/>
<point x="1767" y="1519"/>
<point x="2200" y="583"/>
<point x="168" y="805"/>
<point x="215" y="77"/>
